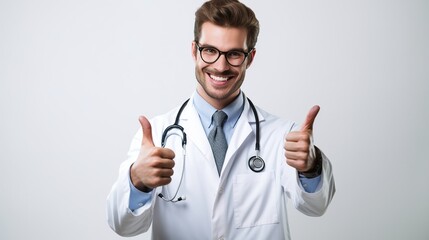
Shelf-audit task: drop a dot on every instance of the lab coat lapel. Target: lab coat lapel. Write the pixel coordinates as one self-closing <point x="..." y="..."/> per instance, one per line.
<point x="196" y="135"/>
<point x="243" y="130"/>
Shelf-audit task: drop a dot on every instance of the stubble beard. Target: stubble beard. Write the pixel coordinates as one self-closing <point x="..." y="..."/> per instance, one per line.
<point x="220" y="96"/>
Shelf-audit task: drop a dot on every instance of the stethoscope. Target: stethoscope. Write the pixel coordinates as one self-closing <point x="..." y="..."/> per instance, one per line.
<point x="256" y="163"/>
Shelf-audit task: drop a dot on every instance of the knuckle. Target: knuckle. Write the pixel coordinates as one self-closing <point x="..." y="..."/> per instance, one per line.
<point x="290" y="156"/>
<point x="157" y="172"/>
<point x="303" y="146"/>
<point x="166" y="181"/>
<point x="169" y="153"/>
<point x="153" y="162"/>
<point x="171" y="164"/>
<point x="155" y="151"/>
<point x="303" y="155"/>
<point x="291" y="136"/>
<point x="305" y="137"/>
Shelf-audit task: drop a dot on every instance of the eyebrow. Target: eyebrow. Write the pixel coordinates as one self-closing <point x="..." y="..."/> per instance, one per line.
<point x="233" y="49"/>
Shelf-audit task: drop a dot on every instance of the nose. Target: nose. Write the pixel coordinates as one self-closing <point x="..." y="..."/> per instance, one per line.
<point x="221" y="64"/>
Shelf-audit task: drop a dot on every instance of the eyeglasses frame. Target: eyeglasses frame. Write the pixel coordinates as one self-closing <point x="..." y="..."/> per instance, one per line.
<point x="200" y="48"/>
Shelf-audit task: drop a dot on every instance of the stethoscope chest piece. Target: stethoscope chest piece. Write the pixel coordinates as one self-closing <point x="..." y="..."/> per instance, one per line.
<point x="256" y="164"/>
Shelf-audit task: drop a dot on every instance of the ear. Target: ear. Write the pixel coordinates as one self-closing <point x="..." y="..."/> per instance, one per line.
<point x="194" y="51"/>
<point x="250" y="58"/>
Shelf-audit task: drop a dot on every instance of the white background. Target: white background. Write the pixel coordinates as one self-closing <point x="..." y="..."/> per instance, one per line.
<point x="75" y="76"/>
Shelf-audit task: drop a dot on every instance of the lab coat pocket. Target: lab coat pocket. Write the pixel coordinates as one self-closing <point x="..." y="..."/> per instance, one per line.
<point x="255" y="201"/>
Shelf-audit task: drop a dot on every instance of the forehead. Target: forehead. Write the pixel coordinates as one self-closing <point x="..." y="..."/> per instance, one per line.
<point x="224" y="38"/>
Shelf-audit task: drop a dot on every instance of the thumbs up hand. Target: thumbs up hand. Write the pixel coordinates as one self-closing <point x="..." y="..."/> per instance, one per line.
<point x="154" y="165"/>
<point x="300" y="151"/>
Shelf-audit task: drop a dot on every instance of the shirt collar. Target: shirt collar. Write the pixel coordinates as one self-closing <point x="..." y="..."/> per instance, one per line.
<point x="205" y="111"/>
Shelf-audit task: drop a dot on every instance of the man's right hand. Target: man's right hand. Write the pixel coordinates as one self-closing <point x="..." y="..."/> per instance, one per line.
<point x="154" y="165"/>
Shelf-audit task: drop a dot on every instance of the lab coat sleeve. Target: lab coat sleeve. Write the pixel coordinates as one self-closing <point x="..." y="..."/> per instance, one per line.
<point x="119" y="217"/>
<point x="316" y="203"/>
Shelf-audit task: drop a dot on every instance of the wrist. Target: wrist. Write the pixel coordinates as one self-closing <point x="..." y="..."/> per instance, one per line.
<point x="137" y="183"/>
<point x="316" y="169"/>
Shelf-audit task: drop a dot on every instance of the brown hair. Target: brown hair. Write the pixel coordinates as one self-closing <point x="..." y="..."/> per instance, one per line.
<point x="228" y="13"/>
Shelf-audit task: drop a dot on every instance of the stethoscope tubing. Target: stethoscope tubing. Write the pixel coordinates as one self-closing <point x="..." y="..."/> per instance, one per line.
<point x="256" y="163"/>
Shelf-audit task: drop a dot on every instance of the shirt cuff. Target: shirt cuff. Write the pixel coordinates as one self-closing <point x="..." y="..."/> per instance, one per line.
<point x="310" y="184"/>
<point x="138" y="198"/>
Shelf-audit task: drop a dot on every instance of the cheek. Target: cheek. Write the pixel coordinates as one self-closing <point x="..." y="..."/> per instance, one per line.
<point x="199" y="71"/>
<point x="200" y="66"/>
<point x="242" y="71"/>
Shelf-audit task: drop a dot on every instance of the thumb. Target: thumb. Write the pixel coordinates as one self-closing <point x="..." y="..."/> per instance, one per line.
<point x="147" y="131"/>
<point x="309" y="120"/>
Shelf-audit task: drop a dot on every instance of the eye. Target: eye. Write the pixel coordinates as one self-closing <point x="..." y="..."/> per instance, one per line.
<point x="235" y="54"/>
<point x="210" y="51"/>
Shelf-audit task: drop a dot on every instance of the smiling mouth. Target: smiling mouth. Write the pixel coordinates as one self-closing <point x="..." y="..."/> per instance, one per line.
<point x="218" y="78"/>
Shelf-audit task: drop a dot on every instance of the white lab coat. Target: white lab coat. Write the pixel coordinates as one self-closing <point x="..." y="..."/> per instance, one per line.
<point x="240" y="204"/>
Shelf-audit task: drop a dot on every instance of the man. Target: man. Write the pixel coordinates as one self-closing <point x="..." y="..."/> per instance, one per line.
<point x="210" y="182"/>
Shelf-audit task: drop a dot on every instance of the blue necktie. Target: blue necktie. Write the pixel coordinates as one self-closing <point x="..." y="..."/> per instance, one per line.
<point x="217" y="139"/>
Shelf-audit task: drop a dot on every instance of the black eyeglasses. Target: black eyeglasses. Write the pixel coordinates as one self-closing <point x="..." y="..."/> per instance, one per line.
<point x="211" y="54"/>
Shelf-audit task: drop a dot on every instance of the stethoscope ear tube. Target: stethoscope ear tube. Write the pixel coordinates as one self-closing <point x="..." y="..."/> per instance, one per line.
<point x="164" y="134"/>
<point x="176" y="125"/>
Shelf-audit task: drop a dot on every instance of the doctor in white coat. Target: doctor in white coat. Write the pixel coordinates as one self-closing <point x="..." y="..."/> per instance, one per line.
<point x="179" y="191"/>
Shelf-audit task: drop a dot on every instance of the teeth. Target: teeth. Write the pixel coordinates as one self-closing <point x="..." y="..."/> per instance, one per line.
<point x="219" y="78"/>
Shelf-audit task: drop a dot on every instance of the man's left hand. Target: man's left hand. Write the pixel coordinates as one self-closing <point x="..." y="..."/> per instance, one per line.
<point x="300" y="152"/>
